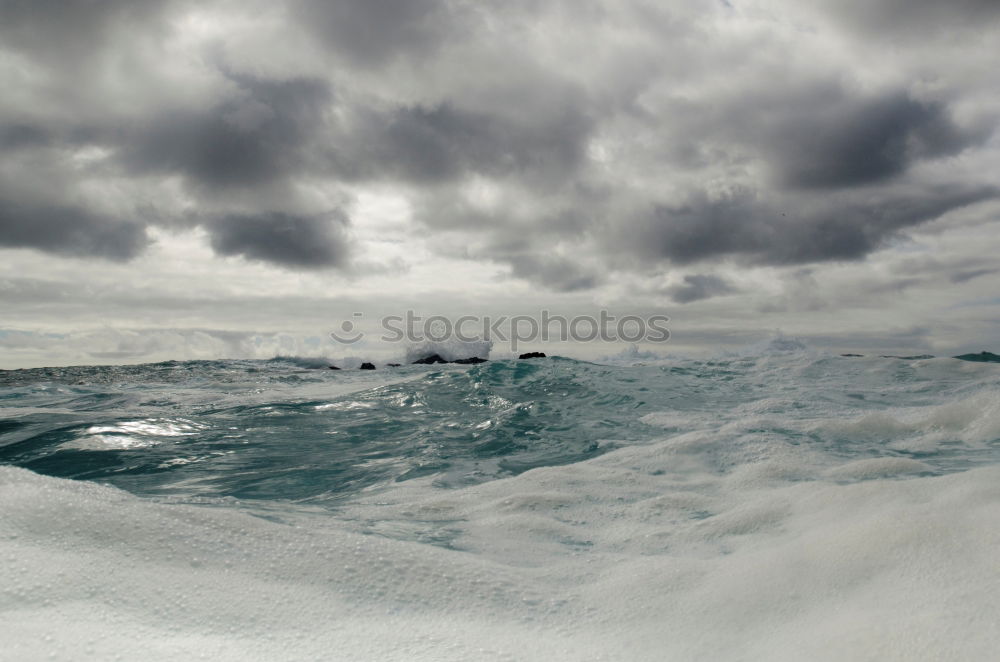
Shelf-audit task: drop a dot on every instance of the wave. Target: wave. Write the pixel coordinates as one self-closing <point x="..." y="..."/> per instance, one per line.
<point x="642" y="554"/>
<point x="309" y="362"/>
<point x="784" y="505"/>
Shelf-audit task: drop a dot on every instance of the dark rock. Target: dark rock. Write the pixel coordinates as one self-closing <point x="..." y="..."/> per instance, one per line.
<point x="981" y="357"/>
<point x="429" y="360"/>
<point x="852" y="355"/>
<point x="392" y="365"/>
<point x="333" y="367"/>
<point x="532" y="355"/>
<point x="470" y="360"/>
<point x="367" y="366"/>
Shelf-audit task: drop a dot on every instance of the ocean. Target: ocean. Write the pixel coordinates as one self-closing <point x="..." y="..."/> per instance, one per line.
<point x="780" y="504"/>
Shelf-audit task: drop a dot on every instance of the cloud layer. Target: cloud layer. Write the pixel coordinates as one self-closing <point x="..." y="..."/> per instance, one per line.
<point x="564" y="142"/>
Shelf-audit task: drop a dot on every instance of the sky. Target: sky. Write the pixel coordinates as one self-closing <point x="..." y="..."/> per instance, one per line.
<point x="222" y="178"/>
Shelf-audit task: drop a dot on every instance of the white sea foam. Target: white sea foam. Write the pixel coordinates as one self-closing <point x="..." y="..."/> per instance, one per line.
<point x="633" y="356"/>
<point x="815" y="508"/>
<point x="973" y="421"/>
<point x="645" y="553"/>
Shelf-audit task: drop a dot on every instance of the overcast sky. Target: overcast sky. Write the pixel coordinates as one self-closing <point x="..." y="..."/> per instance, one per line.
<point x="187" y="179"/>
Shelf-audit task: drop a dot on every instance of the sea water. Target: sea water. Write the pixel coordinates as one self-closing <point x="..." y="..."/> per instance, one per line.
<point x="781" y="505"/>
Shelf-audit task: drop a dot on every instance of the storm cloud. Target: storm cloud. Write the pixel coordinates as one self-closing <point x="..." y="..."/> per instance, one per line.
<point x="699" y="286"/>
<point x="853" y="142"/>
<point x="916" y="18"/>
<point x="261" y="133"/>
<point x="443" y="143"/>
<point x="746" y="225"/>
<point x="67" y="35"/>
<point x="373" y="32"/>
<point x="565" y="142"/>
<point x="70" y="231"/>
<point x="283" y="239"/>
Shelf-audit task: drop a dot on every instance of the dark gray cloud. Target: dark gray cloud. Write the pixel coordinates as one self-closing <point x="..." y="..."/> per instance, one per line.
<point x="71" y="231"/>
<point x="915" y="18"/>
<point x="858" y="141"/>
<point x="274" y="129"/>
<point x="817" y="134"/>
<point x="534" y="247"/>
<point x="373" y="32"/>
<point x="71" y="36"/>
<point x="31" y="135"/>
<point x="965" y="276"/>
<point x="262" y="133"/>
<point x="551" y="271"/>
<point x="699" y="286"/>
<point x="431" y="98"/>
<point x="22" y="136"/>
<point x="430" y="145"/>
<point x="303" y="242"/>
<point x="745" y="225"/>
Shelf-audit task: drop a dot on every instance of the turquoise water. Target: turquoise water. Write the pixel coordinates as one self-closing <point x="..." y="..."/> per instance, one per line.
<point x="578" y="485"/>
<point x="278" y="430"/>
<point x="271" y="429"/>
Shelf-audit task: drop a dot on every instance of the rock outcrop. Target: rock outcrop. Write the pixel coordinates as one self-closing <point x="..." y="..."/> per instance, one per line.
<point x="430" y="360"/>
<point x="436" y="358"/>
<point x="981" y="357"/>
